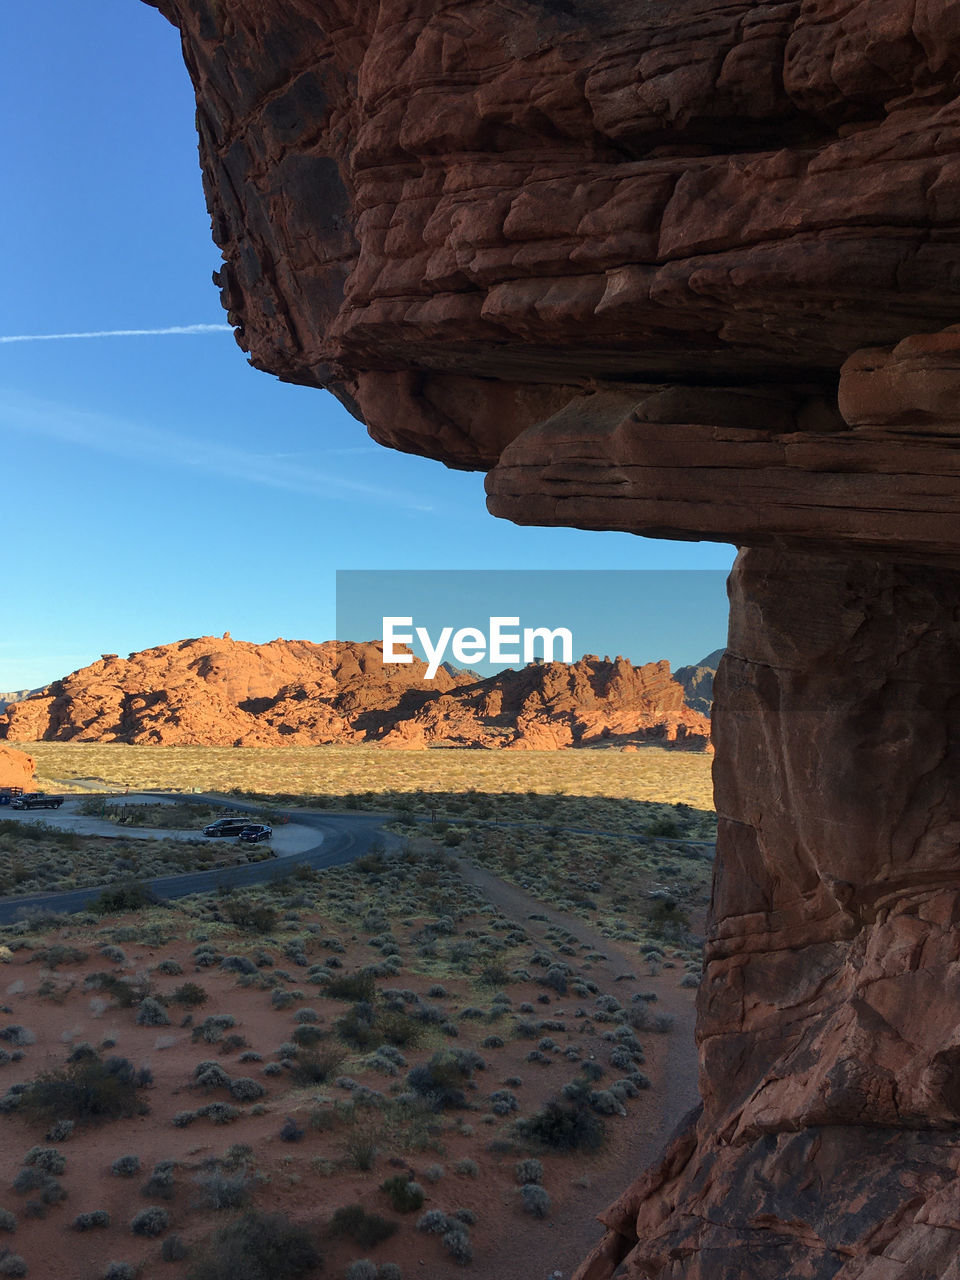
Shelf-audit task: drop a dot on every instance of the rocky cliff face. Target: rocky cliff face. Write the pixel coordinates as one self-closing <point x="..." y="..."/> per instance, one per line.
<point x="224" y="692"/>
<point x="686" y="270"/>
<point x="16" y="768"/>
<point x="697" y="682"/>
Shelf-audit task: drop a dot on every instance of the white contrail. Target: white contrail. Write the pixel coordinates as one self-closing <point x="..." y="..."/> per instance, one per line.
<point x="118" y="333"/>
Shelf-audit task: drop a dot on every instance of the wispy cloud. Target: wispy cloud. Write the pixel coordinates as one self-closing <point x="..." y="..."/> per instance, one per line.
<point x="117" y="333"/>
<point x="138" y="442"/>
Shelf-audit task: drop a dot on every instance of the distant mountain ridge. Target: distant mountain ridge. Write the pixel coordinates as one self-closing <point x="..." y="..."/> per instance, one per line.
<point x="697" y="682"/>
<point x="216" y="691"/>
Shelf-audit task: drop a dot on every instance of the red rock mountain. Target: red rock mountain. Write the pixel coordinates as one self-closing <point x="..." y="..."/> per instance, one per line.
<point x="223" y="692"/>
<point x="16" y="769"/>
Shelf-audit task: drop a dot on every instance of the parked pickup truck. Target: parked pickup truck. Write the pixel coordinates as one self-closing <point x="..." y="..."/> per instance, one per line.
<point x="36" y="800"/>
<point x="9" y="793"/>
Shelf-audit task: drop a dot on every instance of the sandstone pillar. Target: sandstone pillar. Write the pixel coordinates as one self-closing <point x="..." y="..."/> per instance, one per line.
<point x="829" y="1014"/>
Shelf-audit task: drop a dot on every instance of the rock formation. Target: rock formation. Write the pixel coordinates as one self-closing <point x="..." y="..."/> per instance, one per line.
<point x="684" y="269"/>
<point x="16" y="768"/>
<point x="223" y="692"/>
<point x="697" y="682"/>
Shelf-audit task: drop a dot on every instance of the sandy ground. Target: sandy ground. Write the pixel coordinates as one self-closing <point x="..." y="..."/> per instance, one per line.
<point x="671" y="1065"/>
<point x="288" y="839"/>
<point x="509" y="1245"/>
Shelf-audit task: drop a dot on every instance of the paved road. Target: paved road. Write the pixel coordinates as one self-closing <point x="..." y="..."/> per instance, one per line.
<point x="290" y="838"/>
<point x="340" y="839"/>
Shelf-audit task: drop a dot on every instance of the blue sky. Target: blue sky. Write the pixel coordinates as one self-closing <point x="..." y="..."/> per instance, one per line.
<point x="157" y="487"/>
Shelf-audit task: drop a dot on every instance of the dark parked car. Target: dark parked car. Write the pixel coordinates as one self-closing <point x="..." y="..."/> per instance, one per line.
<point x="255" y="833"/>
<point x="227" y="827"/>
<point x="36" y="800"/>
<point x="8" y="794"/>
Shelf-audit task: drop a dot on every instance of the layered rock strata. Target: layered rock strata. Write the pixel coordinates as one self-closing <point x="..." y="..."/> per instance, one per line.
<point x="687" y="270"/>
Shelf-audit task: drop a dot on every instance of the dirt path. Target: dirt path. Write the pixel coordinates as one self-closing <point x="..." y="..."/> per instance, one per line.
<point x="555" y="1250"/>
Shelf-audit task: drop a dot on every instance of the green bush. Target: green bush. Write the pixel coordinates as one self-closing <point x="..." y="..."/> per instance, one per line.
<point x="190" y="994"/>
<point x="352" y="986"/>
<point x="564" y="1126"/>
<point x="318" y="1067"/>
<point x="257" y="1246"/>
<point x="88" y="1091"/>
<point x="126" y="895"/>
<point x="405" y="1196"/>
<point x="364" y="1229"/>
<point x="255" y="916"/>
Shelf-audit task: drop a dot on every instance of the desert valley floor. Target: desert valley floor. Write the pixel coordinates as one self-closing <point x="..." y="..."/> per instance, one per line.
<point x="450" y="1052"/>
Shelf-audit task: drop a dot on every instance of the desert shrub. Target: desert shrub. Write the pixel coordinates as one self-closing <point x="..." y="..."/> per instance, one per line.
<point x="466" y="1216"/>
<point x="361" y="1269"/>
<point x="357" y="1028"/>
<point x="434" y="1222"/>
<point x="535" y="1200"/>
<point x="87" y="1092"/>
<point x="246" y="1089"/>
<point x="389" y="1271"/>
<point x="364" y="1229"/>
<point x="405" y="1196"/>
<point x="219" y="1190"/>
<point x="8" y="1220"/>
<point x="291" y="1131"/>
<point x="151" y="1013"/>
<point x="257" y="1245"/>
<point x="120" y="1271"/>
<point x="150" y="1222"/>
<point x="211" y="1075"/>
<point x="211" y="1029"/>
<point x="18" y="1036"/>
<point x="123" y="992"/>
<point x="125" y="1166"/>
<point x="48" y="1159"/>
<point x="317" y="1067"/>
<point x="190" y="994"/>
<point x="528" y="1171"/>
<point x="466" y="1167"/>
<point x="399" y="1029"/>
<point x="362" y="1152"/>
<point x="183" y="1118"/>
<point x="440" y="1081"/>
<point x="258" y="917"/>
<point x="434" y="1172"/>
<point x="173" y="1249"/>
<point x="502" y="1102"/>
<point x="307" y="1036"/>
<point x="492" y="1042"/>
<point x="11" y="1264"/>
<point x="281" y="999"/>
<point x="352" y="986"/>
<point x="60" y="1131"/>
<point x="643" y="1019"/>
<point x="564" y="1125"/>
<point x="238" y="964"/>
<point x="220" y="1112"/>
<point x="115" y="954"/>
<point x="170" y="967"/>
<point x="125" y="895"/>
<point x="90" y="1221"/>
<point x="457" y="1243"/>
<point x="28" y="1180"/>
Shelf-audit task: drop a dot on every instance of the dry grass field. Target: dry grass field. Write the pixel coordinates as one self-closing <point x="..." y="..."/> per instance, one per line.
<point x="651" y="774"/>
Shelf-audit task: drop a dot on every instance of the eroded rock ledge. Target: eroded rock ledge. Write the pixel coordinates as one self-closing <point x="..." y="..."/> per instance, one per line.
<point x="685" y="269"/>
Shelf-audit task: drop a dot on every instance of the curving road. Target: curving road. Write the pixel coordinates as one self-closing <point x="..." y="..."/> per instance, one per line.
<point x="340" y="839"/>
